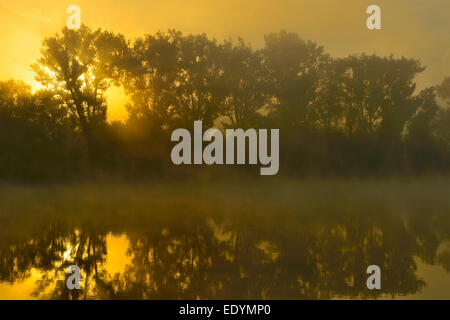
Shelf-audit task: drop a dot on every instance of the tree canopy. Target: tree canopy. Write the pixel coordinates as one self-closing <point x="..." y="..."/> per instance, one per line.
<point x="356" y="114"/>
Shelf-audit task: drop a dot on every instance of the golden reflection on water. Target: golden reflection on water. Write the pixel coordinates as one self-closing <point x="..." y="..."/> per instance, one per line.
<point x="184" y="250"/>
<point x="119" y="260"/>
<point x="116" y="262"/>
<point x="20" y="290"/>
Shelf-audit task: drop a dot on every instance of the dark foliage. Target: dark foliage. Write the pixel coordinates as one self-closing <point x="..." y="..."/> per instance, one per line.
<point x="359" y="115"/>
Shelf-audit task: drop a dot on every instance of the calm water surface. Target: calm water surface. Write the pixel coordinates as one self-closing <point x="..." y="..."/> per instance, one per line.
<point x="185" y="250"/>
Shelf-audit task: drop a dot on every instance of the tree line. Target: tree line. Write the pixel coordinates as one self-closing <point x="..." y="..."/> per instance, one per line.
<point x="357" y="115"/>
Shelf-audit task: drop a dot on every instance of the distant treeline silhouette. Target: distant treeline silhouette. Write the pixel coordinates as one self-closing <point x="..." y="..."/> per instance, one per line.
<point x="358" y="115"/>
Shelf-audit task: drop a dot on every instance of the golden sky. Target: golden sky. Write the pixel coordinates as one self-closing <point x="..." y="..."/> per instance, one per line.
<point x="412" y="28"/>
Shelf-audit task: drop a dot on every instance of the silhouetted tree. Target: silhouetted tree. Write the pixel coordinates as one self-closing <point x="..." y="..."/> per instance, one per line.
<point x="78" y="65"/>
<point x="354" y="115"/>
<point x="294" y="71"/>
<point x="245" y="82"/>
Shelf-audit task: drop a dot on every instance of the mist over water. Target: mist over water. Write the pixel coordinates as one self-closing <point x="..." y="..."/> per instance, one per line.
<point x="275" y="240"/>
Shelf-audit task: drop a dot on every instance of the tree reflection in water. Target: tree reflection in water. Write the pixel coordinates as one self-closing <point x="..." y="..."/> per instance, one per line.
<point x="289" y="256"/>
